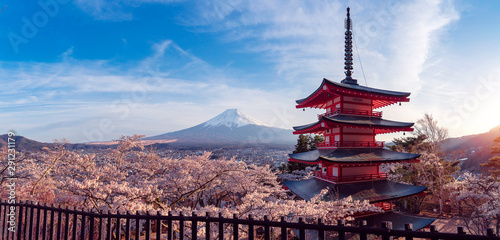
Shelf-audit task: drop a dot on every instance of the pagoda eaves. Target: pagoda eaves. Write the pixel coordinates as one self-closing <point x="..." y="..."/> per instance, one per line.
<point x="358" y="155"/>
<point x="329" y="89"/>
<point x="379" y="125"/>
<point x="376" y="191"/>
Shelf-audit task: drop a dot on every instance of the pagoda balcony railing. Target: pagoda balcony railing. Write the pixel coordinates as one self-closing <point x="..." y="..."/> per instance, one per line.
<point x="351" y="111"/>
<point x="354" y="178"/>
<point x="341" y="144"/>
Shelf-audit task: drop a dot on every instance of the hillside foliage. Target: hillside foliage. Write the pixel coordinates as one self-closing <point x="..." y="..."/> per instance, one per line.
<point x="493" y="164"/>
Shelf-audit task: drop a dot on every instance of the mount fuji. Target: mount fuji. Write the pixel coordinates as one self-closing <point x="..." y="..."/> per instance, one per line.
<point x="229" y="127"/>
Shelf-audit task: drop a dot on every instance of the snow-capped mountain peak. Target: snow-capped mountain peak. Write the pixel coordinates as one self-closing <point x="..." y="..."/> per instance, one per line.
<point x="227" y="128"/>
<point x="232" y="118"/>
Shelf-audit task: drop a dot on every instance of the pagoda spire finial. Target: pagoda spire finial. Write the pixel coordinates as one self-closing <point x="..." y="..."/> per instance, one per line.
<point x="348" y="51"/>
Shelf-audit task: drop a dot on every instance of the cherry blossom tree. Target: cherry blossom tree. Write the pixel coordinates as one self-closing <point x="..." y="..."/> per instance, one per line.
<point x="131" y="178"/>
<point x="435" y="173"/>
<point x="478" y="197"/>
<point x="433" y="170"/>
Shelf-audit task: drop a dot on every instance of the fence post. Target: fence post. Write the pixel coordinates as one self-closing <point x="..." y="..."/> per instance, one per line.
<point x="194" y="227"/>
<point x="148" y="226"/>
<point x="388" y="226"/>
<point x="433" y="229"/>
<point x="19" y="221"/>
<point x="137" y="226"/>
<point x="284" y="235"/>
<point x="321" y="231"/>
<point x="66" y="224"/>
<point x="169" y="226"/>
<point x="38" y="212"/>
<point x="91" y="225"/>
<point x="118" y="226"/>
<point x="108" y="228"/>
<point x="207" y="226"/>
<point x="461" y="230"/>
<point x="100" y="224"/>
<point x="251" y="231"/>
<point x="82" y="226"/>
<point x="409" y="228"/>
<point x="44" y="228"/>
<point x="52" y="213"/>
<point x="127" y="227"/>
<point x="363" y="236"/>
<point x="75" y="220"/>
<point x="235" y="227"/>
<point x="158" y="225"/>
<point x="4" y="219"/>
<point x="181" y="225"/>
<point x="341" y="223"/>
<point x="59" y="222"/>
<point x="302" y="230"/>
<point x="30" y="234"/>
<point x="25" y="220"/>
<point x="267" y="234"/>
<point x="221" y="227"/>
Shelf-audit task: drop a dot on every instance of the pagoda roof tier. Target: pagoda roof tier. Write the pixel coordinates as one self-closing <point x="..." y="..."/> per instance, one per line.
<point x="373" y="191"/>
<point x="398" y="220"/>
<point x="380" y="125"/>
<point x="352" y="155"/>
<point x="323" y="94"/>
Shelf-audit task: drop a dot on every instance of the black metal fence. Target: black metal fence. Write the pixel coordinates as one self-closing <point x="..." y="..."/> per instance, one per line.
<point x="33" y="221"/>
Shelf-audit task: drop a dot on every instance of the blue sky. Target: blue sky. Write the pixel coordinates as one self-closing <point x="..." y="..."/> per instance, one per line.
<point x="91" y="70"/>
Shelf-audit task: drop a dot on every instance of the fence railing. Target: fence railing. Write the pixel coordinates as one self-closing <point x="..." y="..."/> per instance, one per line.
<point x="33" y="221"/>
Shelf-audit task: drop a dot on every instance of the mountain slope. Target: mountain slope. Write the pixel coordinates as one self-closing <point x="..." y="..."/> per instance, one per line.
<point x="477" y="148"/>
<point x="472" y="141"/>
<point x="23" y="143"/>
<point x="230" y="127"/>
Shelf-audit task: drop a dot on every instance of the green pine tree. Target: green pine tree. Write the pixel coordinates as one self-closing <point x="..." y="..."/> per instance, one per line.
<point x="494" y="163"/>
<point x="313" y="141"/>
<point x="305" y="143"/>
<point x="302" y="144"/>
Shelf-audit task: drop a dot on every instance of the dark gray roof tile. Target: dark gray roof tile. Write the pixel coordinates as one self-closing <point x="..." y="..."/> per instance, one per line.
<point x="357" y="121"/>
<point x="398" y="220"/>
<point x="373" y="191"/>
<point x="354" y="155"/>
<point x="357" y="88"/>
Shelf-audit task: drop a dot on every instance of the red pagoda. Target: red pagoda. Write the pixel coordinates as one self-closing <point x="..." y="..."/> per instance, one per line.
<point x="349" y="159"/>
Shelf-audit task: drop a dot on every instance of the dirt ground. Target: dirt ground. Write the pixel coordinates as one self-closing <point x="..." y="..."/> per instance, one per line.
<point x="447" y="223"/>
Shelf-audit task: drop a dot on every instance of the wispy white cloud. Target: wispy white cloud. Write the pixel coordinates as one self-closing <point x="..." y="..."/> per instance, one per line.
<point x="105" y="10"/>
<point x="115" y="10"/>
<point x="299" y="38"/>
<point x="397" y="41"/>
